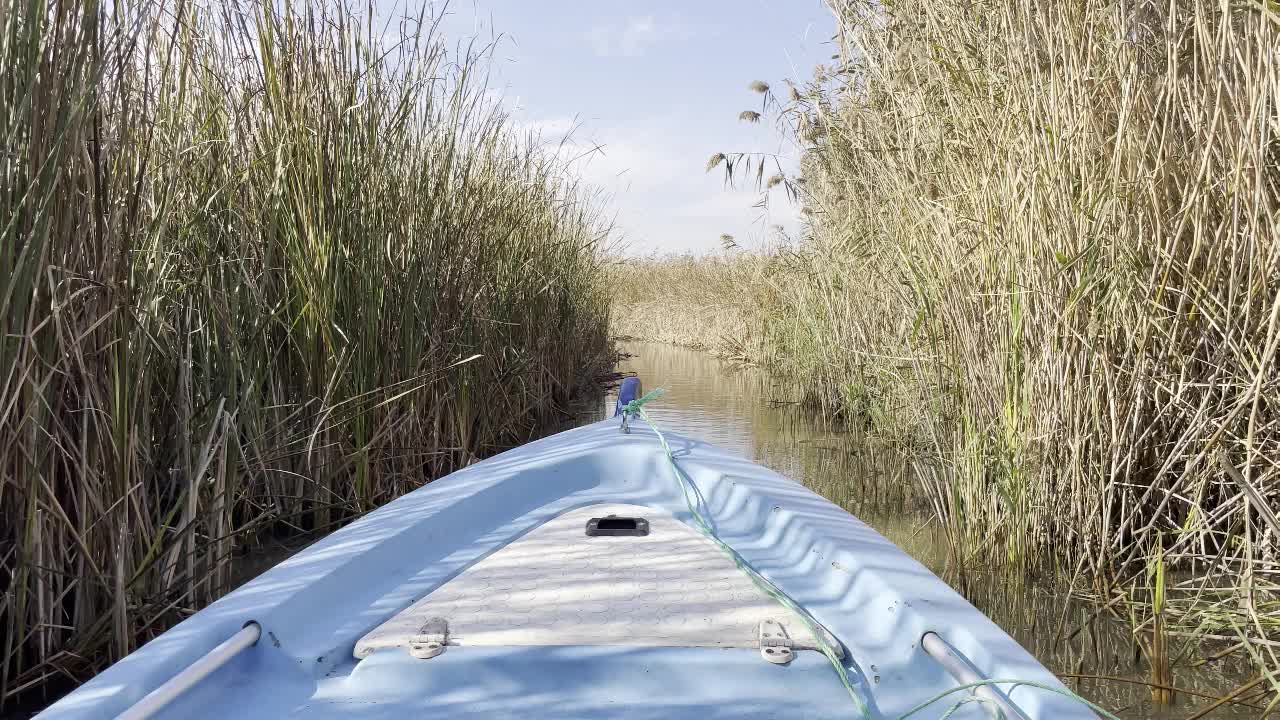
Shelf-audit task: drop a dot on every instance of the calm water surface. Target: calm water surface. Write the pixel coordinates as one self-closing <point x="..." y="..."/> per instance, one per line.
<point x="742" y="410"/>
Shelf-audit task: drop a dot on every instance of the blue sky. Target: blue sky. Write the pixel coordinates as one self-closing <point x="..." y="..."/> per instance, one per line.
<point x="658" y="86"/>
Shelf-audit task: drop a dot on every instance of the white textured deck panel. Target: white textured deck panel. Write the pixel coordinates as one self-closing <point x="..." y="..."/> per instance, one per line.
<point x="557" y="586"/>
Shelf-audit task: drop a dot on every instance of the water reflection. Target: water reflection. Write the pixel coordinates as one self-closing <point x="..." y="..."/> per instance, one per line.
<point x="745" y="411"/>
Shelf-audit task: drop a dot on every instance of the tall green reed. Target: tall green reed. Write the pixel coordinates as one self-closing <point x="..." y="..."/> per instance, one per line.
<point x="265" y="266"/>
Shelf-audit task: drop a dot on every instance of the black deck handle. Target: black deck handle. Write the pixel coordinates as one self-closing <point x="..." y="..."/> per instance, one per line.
<point x="618" y="525"/>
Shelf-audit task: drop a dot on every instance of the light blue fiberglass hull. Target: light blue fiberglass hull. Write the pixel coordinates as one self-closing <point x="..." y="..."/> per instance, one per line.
<point x="314" y="607"/>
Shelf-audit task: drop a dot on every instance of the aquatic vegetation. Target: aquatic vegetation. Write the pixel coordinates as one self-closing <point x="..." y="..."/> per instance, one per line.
<point x="709" y="303"/>
<point x="265" y="266"/>
<point x="1043" y="253"/>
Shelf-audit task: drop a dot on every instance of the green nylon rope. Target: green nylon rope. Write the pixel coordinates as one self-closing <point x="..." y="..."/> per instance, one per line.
<point x="636" y="407"/>
<point x="690" y="492"/>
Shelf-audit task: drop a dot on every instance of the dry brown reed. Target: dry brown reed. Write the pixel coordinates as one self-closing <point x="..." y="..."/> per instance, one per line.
<point x="1059" y="222"/>
<point x="709" y="303"/>
<point x="1045" y="256"/>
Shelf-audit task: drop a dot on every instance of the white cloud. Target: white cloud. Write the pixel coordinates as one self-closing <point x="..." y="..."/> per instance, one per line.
<point x="655" y="184"/>
<point x="551" y="130"/>
<point x="666" y="202"/>
<point x="630" y="39"/>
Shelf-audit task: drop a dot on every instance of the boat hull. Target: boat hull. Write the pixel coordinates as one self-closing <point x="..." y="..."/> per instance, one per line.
<point x="314" y="607"/>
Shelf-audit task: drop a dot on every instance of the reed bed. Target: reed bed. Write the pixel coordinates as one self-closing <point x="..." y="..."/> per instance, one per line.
<point x="705" y="302"/>
<point x="265" y="267"/>
<point x="1060" y="224"/>
<point x="1043" y="253"/>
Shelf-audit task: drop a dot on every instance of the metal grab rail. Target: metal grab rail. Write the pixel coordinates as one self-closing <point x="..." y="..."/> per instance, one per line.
<point x="959" y="667"/>
<point x="194" y="673"/>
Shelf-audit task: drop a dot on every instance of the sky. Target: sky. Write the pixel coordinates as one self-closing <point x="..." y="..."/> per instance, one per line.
<point x="657" y="87"/>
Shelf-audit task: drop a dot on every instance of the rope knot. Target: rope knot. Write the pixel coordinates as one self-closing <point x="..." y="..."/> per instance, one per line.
<point x="636" y="407"/>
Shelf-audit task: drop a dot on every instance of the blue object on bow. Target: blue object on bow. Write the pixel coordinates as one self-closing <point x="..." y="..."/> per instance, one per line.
<point x="630" y="390"/>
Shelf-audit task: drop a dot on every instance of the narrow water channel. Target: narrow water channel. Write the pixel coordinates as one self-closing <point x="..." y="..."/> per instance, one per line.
<point x="741" y="409"/>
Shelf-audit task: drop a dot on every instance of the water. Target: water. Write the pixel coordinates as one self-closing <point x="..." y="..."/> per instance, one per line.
<point x="743" y="410"/>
